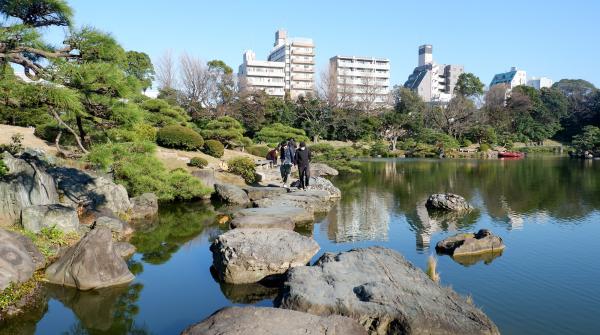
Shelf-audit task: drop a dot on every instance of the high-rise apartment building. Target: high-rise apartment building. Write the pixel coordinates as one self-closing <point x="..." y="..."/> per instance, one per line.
<point x="261" y="75"/>
<point x="432" y="81"/>
<point x="510" y="79"/>
<point x="362" y="80"/>
<point x="539" y="83"/>
<point x="298" y="55"/>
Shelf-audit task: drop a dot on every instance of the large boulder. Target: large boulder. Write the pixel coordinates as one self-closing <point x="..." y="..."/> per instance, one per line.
<point x="144" y="206"/>
<point x="322" y="184"/>
<point x="262" y="222"/>
<point x="125" y="249"/>
<point x="257" y="193"/>
<point x="115" y="225"/>
<point x="206" y="176"/>
<point x="272" y="321"/>
<point x="232" y="194"/>
<point x="299" y="216"/>
<point x="322" y="169"/>
<point x="95" y="193"/>
<point x="91" y="263"/>
<point x="385" y="293"/>
<point x="19" y="258"/>
<point x="63" y="218"/>
<point x="317" y="201"/>
<point x="250" y="255"/>
<point x="27" y="184"/>
<point x="448" y="202"/>
<point x="470" y="243"/>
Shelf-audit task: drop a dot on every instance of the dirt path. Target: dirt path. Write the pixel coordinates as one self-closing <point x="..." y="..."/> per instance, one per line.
<point x="29" y="140"/>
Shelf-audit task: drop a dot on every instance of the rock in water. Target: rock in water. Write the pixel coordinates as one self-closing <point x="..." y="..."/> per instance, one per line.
<point x="232" y="194"/>
<point x="125" y="249"/>
<point x="250" y="255"/>
<point x="299" y="216"/>
<point x="144" y="206"/>
<point x="19" y="258"/>
<point x="448" y="202"/>
<point x="316" y="201"/>
<point x="470" y="243"/>
<point x="322" y="169"/>
<point x="92" y="263"/>
<point x="27" y="184"/>
<point x="320" y="183"/>
<point x="272" y="321"/>
<point x="63" y="218"/>
<point x="384" y="292"/>
<point x="257" y="193"/>
<point x="262" y="222"/>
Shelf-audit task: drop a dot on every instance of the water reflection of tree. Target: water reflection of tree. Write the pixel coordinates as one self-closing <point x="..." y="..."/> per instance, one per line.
<point x="176" y="225"/>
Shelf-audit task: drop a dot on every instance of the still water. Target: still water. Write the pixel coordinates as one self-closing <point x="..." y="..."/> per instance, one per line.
<point x="547" y="281"/>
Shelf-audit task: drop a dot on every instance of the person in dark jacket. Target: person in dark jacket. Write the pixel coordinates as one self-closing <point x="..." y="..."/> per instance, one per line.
<point x="302" y="158"/>
<point x="272" y="157"/>
<point x="287" y="160"/>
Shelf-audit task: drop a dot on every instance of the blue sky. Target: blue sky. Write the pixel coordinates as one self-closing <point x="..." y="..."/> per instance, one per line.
<point x="557" y="39"/>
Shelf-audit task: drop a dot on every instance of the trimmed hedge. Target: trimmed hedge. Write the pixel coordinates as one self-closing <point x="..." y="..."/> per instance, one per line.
<point x="258" y="150"/>
<point x="244" y="167"/>
<point x="214" y="148"/>
<point x="198" y="162"/>
<point x="179" y="137"/>
<point x="277" y="133"/>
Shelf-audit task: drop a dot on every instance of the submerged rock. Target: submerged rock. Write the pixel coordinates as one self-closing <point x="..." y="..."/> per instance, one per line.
<point x="448" y="202"/>
<point x="299" y="216"/>
<point x="19" y="258"/>
<point x="27" y="184"/>
<point x="262" y="222"/>
<point x="470" y="243"/>
<point x="385" y="293"/>
<point x="250" y="255"/>
<point x="272" y="321"/>
<point x="257" y="193"/>
<point x="91" y="263"/>
<point x="144" y="206"/>
<point x="63" y="218"/>
<point x="232" y="194"/>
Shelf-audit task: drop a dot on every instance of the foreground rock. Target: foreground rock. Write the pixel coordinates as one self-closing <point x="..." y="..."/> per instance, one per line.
<point x="321" y="184"/>
<point x="471" y="243"/>
<point x="144" y="206"/>
<point x="299" y="216"/>
<point x="262" y="222"/>
<point x="384" y="292"/>
<point x="317" y="201"/>
<point x="232" y="194"/>
<point x="124" y="249"/>
<point x="27" y="184"/>
<point x="63" y="218"/>
<point x="272" y="321"/>
<point x="322" y="169"/>
<point x="250" y="255"/>
<point x="448" y="202"/>
<point x="19" y="258"/>
<point x="92" y="263"/>
<point x="257" y="193"/>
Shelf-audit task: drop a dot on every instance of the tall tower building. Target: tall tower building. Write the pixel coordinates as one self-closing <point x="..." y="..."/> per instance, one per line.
<point x="425" y="54"/>
<point x="298" y="54"/>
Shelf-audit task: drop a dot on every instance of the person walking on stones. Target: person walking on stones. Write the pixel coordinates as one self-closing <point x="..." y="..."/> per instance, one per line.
<point x="302" y="158"/>
<point x="272" y="156"/>
<point x="287" y="159"/>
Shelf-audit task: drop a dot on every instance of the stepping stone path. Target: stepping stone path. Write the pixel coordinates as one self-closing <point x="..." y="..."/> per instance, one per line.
<point x="262" y="222"/>
<point x="299" y="216"/>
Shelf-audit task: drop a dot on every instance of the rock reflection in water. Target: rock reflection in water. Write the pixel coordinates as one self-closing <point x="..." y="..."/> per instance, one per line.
<point x="468" y="260"/>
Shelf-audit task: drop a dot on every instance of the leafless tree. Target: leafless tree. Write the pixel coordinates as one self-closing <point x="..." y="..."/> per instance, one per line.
<point x="455" y="118"/>
<point x="196" y="83"/>
<point x="166" y="73"/>
<point x="335" y="90"/>
<point x="495" y="107"/>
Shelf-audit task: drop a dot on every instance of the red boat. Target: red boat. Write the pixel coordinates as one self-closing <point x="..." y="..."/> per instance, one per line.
<point x="511" y="154"/>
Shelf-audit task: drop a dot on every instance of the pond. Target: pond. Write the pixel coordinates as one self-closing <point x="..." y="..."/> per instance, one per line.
<point x="547" y="280"/>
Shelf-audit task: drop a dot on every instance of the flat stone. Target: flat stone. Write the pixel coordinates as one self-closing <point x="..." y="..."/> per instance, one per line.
<point x="232" y="194"/>
<point x="272" y="321"/>
<point x="447" y="202"/>
<point x="19" y="258"/>
<point x="257" y="193"/>
<point x="250" y="255"/>
<point x="320" y="183"/>
<point x="317" y="201"/>
<point x="262" y="222"/>
<point x="91" y="263"/>
<point x="471" y="243"/>
<point x="382" y="291"/>
<point x="322" y="169"/>
<point x="144" y="206"/>
<point x="299" y="216"/>
<point x="63" y="218"/>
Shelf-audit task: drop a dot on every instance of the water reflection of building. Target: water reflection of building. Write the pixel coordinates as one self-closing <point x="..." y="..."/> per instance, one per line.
<point x="428" y="225"/>
<point x="364" y="218"/>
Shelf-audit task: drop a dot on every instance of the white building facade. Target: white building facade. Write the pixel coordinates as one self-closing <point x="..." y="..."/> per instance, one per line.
<point x="262" y="75"/>
<point x="539" y="83"/>
<point x="433" y="82"/>
<point x="361" y="79"/>
<point x="510" y="79"/>
<point x="298" y="57"/>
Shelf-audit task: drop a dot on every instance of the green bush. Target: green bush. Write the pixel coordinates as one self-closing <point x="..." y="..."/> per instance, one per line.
<point x="226" y="130"/>
<point x="135" y="166"/>
<point x="484" y="147"/>
<point x="277" y="133"/>
<point x="198" y="162"/>
<point x="179" y="137"/>
<point x="466" y="142"/>
<point x="438" y="139"/>
<point x="380" y="149"/>
<point x="341" y="159"/>
<point x="214" y="148"/>
<point x="3" y="168"/>
<point x="244" y="167"/>
<point x="321" y="148"/>
<point x="589" y="139"/>
<point x="258" y="150"/>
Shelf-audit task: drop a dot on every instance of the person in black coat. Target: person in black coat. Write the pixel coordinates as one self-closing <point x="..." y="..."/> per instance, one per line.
<point x="302" y="159"/>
